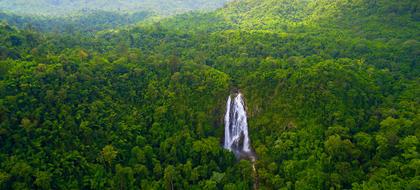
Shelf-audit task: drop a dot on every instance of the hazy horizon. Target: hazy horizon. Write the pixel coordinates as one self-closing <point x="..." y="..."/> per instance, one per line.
<point x="66" y="7"/>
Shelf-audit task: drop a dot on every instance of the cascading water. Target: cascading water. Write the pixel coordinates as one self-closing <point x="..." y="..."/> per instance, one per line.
<point x="236" y="127"/>
<point x="236" y="132"/>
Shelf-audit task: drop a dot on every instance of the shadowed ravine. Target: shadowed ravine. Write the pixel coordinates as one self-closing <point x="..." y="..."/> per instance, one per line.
<point x="236" y="132"/>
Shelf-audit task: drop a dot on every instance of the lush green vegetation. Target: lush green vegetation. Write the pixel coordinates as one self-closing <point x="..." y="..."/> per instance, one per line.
<point x="64" y="7"/>
<point x="87" y="23"/>
<point x="332" y="91"/>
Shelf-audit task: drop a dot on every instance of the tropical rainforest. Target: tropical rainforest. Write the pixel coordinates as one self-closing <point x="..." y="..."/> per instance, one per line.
<point x="132" y="94"/>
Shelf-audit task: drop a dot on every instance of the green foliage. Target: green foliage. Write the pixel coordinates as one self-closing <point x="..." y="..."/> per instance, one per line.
<point x="331" y="88"/>
<point x="86" y="23"/>
<point x="62" y="7"/>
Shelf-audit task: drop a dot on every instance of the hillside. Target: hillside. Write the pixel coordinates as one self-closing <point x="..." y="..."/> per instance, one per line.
<point x="87" y="23"/>
<point x="331" y="91"/>
<point x="361" y="17"/>
<point x="64" y="7"/>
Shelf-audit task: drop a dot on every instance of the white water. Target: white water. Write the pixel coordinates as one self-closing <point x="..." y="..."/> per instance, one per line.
<point x="236" y="126"/>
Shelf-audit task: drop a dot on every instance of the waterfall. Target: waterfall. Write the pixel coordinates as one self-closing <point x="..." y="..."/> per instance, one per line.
<point x="236" y="133"/>
<point x="236" y="127"/>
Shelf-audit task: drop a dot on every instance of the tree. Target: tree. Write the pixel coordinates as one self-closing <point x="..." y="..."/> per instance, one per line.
<point x="109" y="154"/>
<point x="124" y="178"/>
<point x="169" y="176"/>
<point x="43" y="180"/>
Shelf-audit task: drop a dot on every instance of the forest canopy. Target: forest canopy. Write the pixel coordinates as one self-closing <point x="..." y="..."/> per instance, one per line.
<point x="65" y="7"/>
<point x="127" y="100"/>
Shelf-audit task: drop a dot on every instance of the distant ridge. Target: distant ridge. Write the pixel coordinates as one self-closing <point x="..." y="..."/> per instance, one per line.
<point x="63" y="7"/>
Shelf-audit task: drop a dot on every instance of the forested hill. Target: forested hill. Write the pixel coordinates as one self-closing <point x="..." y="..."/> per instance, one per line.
<point x="339" y="15"/>
<point x="64" y="7"/>
<point x="331" y="90"/>
<point x="82" y="23"/>
<point x="362" y="18"/>
<point x="284" y="12"/>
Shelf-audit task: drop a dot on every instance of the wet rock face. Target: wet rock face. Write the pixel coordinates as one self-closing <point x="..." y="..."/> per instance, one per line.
<point x="236" y="128"/>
